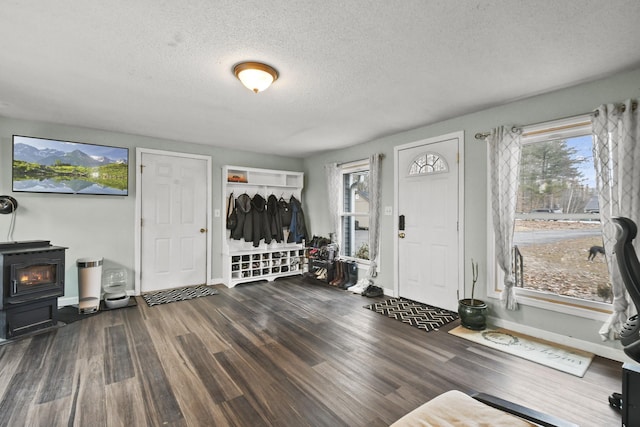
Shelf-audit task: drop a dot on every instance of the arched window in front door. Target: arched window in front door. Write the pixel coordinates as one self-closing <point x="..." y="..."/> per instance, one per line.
<point x="428" y="163"/>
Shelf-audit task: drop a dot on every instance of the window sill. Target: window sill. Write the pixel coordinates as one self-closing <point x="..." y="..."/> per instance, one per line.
<point x="552" y="302"/>
<point x="358" y="260"/>
<point x="571" y="306"/>
<point x="362" y="263"/>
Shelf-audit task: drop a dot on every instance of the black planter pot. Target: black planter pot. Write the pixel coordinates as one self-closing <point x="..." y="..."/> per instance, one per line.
<point x="473" y="316"/>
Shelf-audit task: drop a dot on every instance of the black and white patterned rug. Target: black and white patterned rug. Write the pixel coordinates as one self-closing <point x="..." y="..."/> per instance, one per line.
<point x="178" y="294"/>
<point x="417" y="314"/>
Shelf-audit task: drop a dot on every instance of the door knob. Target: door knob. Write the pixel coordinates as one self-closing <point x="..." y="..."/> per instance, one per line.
<point x="203" y="230"/>
<point x="401" y="235"/>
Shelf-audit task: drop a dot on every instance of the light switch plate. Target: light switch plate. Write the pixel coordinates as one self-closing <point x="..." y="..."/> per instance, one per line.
<point x="216" y="213"/>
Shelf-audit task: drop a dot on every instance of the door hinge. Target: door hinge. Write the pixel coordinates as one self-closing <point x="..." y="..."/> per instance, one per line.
<point x="140" y="222"/>
<point x="141" y="168"/>
<point x="458" y="157"/>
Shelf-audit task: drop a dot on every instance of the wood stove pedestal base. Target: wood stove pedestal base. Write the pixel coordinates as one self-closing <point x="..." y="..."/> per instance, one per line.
<point x="22" y="319"/>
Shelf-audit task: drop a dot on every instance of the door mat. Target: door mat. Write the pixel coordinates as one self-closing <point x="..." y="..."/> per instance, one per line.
<point x="562" y="358"/>
<point x="416" y="314"/>
<point x="178" y="294"/>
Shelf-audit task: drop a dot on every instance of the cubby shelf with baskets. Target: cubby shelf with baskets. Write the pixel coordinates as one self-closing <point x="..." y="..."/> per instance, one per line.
<point x="241" y="261"/>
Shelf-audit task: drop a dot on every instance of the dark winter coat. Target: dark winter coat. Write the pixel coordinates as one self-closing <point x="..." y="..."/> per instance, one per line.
<point x="285" y="212"/>
<point x="275" y="219"/>
<point x="298" y="227"/>
<point x="260" y="219"/>
<point x="244" y="228"/>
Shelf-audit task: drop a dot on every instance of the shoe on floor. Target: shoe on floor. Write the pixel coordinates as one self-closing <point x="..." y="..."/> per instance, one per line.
<point x="615" y="401"/>
<point x="360" y="286"/>
<point x="373" y="291"/>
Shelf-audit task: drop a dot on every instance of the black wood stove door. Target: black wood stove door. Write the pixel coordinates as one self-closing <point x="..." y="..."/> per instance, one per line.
<point x="33" y="276"/>
<point x="29" y="276"/>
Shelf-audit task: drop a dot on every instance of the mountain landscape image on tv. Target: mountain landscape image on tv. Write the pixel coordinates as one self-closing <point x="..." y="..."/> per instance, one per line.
<point x="51" y="166"/>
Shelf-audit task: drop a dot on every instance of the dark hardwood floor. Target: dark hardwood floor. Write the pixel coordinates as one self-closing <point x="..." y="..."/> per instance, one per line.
<point x="287" y="353"/>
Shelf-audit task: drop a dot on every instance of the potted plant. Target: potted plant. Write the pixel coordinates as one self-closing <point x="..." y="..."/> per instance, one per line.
<point x="473" y="312"/>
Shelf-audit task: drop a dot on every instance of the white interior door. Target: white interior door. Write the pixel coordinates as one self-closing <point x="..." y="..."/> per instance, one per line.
<point x="428" y="249"/>
<point x="173" y="215"/>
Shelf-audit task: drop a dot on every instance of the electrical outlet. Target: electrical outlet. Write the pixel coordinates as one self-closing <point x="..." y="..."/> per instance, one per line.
<point x="388" y="210"/>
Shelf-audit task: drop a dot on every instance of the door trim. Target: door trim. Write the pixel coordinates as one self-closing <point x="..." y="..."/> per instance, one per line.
<point x="138" y="208"/>
<point x="396" y="188"/>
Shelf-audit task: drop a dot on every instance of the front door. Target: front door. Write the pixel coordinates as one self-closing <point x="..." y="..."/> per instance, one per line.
<point x="428" y="247"/>
<point x="173" y="213"/>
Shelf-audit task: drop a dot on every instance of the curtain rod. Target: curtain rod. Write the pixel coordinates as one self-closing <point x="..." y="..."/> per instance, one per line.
<point x="365" y="159"/>
<point x="621" y="107"/>
<point x="484" y="135"/>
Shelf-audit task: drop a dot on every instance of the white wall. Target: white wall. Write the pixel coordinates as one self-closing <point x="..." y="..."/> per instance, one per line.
<point x="563" y="103"/>
<point x="103" y="226"/>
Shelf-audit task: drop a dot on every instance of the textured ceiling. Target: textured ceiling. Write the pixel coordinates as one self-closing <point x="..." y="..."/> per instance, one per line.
<point x="350" y="71"/>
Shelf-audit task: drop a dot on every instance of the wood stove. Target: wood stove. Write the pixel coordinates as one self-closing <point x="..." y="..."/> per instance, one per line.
<point x="32" y="275"/>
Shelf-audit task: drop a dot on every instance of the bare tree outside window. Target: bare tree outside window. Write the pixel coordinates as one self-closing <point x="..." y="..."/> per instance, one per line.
<point x="558" y="237"/>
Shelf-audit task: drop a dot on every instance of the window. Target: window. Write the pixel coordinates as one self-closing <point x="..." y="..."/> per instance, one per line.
<point x="558" y="238"/>
<point x="428" y="163"/>
<point x="355" y="211"/>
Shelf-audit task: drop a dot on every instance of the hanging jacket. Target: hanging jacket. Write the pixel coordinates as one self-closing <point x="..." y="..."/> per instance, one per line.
<point x="298" y="227"/>
<point x="260" y="219"/>
<point x="285" y="212"/>
<point x="244" y="228"/>
<point x="275" y="220"/>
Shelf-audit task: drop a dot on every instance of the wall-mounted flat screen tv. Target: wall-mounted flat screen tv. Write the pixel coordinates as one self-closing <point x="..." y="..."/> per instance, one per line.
<point x="51" y="166"/>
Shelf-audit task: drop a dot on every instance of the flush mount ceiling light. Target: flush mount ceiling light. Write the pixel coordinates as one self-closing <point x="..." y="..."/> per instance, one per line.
<point x="255" y="75"/>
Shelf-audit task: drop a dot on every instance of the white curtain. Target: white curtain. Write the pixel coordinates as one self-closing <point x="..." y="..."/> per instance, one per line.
<point x="333" y="174"/>
<point x="504" y="163"/>
<point x="375" y="163"/>
<point x="616" y="155"/>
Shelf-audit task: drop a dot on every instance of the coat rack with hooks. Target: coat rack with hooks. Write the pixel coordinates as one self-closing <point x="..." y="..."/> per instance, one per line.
<point x="242" y="261"/>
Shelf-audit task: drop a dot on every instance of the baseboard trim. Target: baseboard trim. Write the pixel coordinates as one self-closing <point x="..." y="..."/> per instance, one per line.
<point x="597" y="349"/>
<point x="75" y="300"/>
<point x="65" y="301"/>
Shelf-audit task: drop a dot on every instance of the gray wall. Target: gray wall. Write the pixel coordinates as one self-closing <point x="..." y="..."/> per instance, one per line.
<point x="103" y="226"/>
<point x="563" y="103"/>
